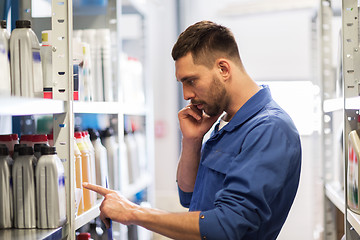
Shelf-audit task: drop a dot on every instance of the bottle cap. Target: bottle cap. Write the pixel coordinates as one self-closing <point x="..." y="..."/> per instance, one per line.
<point x="23" y="24"/>
<point x="38" y="146"/>
<point x="78" y="135"/>
<point x="26" y="137"/>
<point x="3" y="24"/>
<point x="108" y="132"/>
<point x="15" y="137"/>
<point x="18" y="146"/>
<point x="83" y="236"/>
<point x="94" y="134"/>
<point x="46" y="150"/>
<point x="4" y="151"/>
<point x="6" y="137"/>
<point x="39" y="138"/>
<point x="26" y="151"/>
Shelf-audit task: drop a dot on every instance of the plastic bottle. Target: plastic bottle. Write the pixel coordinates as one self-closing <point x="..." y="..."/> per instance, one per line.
<point x="353" y="170"/>
<point x="85" y="167"/>
<point x="104" y="67"/>
<point x="112" y="149"/>
<point x="50" y="189"/>
<point x="46" y="57"/>
<point x="91" y="150"/>
<point x="83" y="236"/>
<point x="79" y="203"/>
<point x="101" y="164"/>
<point x="5" y="80"/>
<point x="24" y="189"/>
<point x="132" y="156"/>
<point x="26" y="70"/>
<point x="6" y="192"/>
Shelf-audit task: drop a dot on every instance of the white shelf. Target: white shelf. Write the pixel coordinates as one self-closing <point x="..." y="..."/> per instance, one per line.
<point x="137" y="186"/>
<point x="352" y="103"/>
<point x="135" y="109"/>
<point x="336" y="196"/>
<point x="331" y="105"/>
<point x="97" y="107"/>
<point x="354" y="220"/>
<point x="34" y="234"/>
<point x="30" y="106"/>
<point x="88" y="215"/>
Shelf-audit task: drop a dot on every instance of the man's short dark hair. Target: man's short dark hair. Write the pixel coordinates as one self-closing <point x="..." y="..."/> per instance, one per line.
<point x="206" y="41"/>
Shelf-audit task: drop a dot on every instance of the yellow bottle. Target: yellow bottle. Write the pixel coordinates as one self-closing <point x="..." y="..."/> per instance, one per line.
<point x="91" y="150"/>
<point x="85" y="165"/>
<point x="78" y="180"/>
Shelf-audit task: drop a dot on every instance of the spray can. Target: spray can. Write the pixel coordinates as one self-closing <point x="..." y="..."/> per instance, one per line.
<point x="26" y="70"/>
<point x="50" y="189"/>
<point x="5" y="80"/>
<point x="24" y="189"/>
<point x="6" y="193"/>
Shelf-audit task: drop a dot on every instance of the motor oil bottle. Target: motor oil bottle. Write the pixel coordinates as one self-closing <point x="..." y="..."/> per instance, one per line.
<point x="24" y="189"/>
<point x="86" y="171"/>
<point x="79" y="202"/>
<point x="5" y="80"/>
<point x="353" y="170"/>
<point x="8" y="141"/>
<point x="39" y="139"/>
<point x="26" y="139"/>
<point x="46" y="57"/>
<point x="50" y="189"/>
<point x="112" y="149"/>
<point x="26" y="69"/>
<point x="101" y="164"/>
<point x="91" y="150"/>
<point x="6" y="192"/>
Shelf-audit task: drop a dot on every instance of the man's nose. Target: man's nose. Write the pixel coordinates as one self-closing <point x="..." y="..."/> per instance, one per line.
<point x="188" y="93"/>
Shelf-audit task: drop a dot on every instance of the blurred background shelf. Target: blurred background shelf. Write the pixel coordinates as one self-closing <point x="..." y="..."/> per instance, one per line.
<point x="35" y="234"/>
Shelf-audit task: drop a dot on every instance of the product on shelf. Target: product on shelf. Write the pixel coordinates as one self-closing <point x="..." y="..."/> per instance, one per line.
<point x="108" y="140"/>
<point x="24" y="189"/>
<point x="46" y="57"/>
<point x="132" y="156"/>
<point x="26" y="69"/>
<point x="50" y="138"/>
<point x="50" y="189"/>
<point x="5" y="80"/>
<point x="6" y="191"/>
<point x="91" y="150"/>
<point x="353" y="171"/>
<point x="101" y="164"/>
<point x="79" y="203"/>
<point x="85" y="167"/>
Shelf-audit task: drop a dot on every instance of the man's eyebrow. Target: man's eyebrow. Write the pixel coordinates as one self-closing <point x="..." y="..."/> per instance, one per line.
<point x="184" y="79"/>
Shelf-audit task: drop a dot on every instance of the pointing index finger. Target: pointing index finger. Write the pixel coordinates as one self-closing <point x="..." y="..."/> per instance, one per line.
<point x="96" y="188"/>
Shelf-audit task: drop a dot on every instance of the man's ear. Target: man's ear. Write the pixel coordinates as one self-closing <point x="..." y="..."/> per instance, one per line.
<point x="224" y="68"/>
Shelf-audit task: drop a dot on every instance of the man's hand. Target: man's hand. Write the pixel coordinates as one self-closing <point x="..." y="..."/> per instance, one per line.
<point x="194" y="123"/>
<point x="114" y="206"/>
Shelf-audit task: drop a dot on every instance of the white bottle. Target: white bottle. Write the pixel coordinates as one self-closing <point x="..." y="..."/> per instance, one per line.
<point x="91" y="149"/>
<point x="6" y="193"/>
<point x="50" y="189"/>
<point x="132" y="157"/>
<point x="112" y="150"/>
<point x="101" y="163"/>
<point x="46" y="57"/>
<point x="26" y="69"/>
<point x="24" y="189"/>
<point x="5" y="80"/>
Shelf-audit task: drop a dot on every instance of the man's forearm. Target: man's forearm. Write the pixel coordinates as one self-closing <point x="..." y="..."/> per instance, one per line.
<point x="173" y="225"/>
<point x="188" y="164"/>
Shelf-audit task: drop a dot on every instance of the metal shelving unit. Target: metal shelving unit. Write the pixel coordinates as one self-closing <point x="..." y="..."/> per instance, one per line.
<point x="64" y="108"/>
<point x="348" y="106"/>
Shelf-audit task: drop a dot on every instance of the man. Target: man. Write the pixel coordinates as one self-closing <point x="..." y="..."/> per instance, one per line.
<point x="239" y="184"/>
